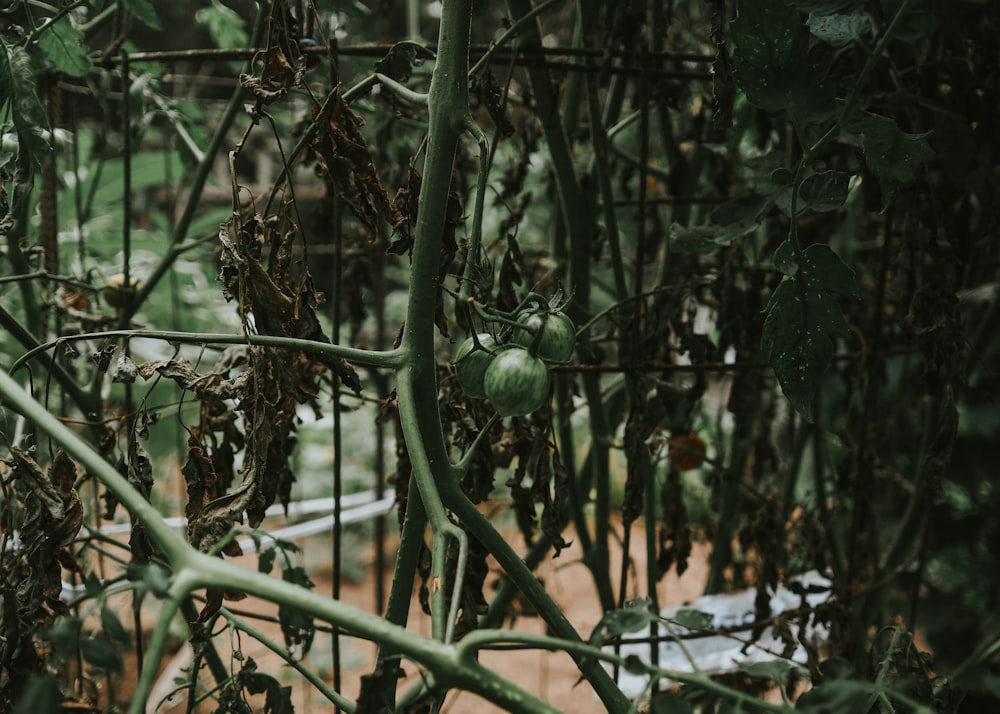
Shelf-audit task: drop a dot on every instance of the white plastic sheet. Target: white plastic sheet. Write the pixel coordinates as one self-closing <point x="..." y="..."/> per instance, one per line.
<point x="717" y="654"/>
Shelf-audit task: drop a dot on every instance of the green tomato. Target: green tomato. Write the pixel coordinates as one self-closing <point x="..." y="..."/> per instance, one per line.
<point x="558" y="335"/>
<point x="471" y="364"/>
<point x="517" y="383"/>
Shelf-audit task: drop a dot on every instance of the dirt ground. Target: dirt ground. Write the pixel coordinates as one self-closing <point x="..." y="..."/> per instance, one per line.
<point x="551" y="676"/>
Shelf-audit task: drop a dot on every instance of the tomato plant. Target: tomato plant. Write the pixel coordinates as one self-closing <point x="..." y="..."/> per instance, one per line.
<point x="471" y="364"/>
<point x="554" y="331"/>
<point x="516" y="383"/>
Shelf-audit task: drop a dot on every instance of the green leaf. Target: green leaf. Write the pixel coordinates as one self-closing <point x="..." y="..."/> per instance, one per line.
<point x="667" y="703"/>
<point x="113" y="627"/>
<point x="776" y="670"/>
<point x="839" y="29"/>
<point x="837" y="696"/>
<point x="706" y="238"/>
<point x="729" y="221"/>
<point x="619" y="622"/>
<point x="64" y="635"/>
<point x="101" y="653"/>
<point x="40" y="696"/>
<point x="892" y="155"/>
<point x="738" y="210"/>
<point x="224" y="25"/>
<point x="63" y="44"/>
<point x="894" y="159"/>
<point x="93" y="586"/>
<point x="693" y="619"/>
<point x="770" y="39"/>
<point x="774" y="66"/>
<point x="635" y="665"/>
<point x="767" y="163"/>
<point x="144" y="11"/>
<point x="17" y="85"/>
<point x="802" y="319"/>
<point x="768" y="33"/>
<point x="784" y="259"/>
<point x="825" y="191"/>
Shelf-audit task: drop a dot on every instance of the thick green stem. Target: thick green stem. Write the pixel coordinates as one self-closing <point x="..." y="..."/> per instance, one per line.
<point x="158" y="642"/>
<point x="199" y="570"/>
<point x="448" y="108"/>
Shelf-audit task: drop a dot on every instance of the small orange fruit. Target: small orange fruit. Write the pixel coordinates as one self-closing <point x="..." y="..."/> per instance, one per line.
<point x="686" y="451"/>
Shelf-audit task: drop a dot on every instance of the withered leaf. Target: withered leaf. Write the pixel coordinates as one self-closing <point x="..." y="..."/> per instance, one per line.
<point x="28" y="472"/>
<point x="213" y="386"/>
<point x="342" y="155"/>
<point x="511" y="271"/>
<point x="675" y="533"/>
<point x="491" y="95"/>
<point x="399" y="61"/>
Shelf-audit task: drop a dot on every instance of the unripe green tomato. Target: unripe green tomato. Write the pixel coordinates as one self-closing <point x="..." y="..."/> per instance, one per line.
<point x="115" y="292"/>
<point x="558" y="335"/>
<point x="471" y="364"/>
<point x="516" y="383"/>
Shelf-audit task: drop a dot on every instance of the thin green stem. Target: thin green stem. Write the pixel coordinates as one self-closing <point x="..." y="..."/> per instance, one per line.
<point x="462" y="466"/>
<point x="512" y="31"/>
<point x="83" y="400"/>
<point x="420" y="418"/>
<point x="220" y="134"/>
<point x="858" y="85"/>
<point x="410" y="538"/>
<point x="179" y="590"/>
<point x="401" y="91"/>
<point x="474" y="642"/>
<point x="282" y="651"/>
<point x="367" y="358"/>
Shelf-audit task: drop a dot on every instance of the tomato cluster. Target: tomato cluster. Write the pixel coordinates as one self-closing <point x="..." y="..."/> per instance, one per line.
<point x="514" y="375"/>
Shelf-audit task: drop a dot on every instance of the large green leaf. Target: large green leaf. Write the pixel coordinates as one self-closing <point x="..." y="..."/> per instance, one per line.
<point x="802" y="319"/>
<point x="40" y="696"/>
<point x="892" y="155"/>
<point x="773" y="63"/>
<point x="63" y="44"/>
